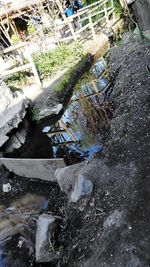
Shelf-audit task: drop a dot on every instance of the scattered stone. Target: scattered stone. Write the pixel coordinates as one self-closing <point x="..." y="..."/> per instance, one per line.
<point x="83" y="187"/>
<point x="73" y="183"/>
<point x="6" y="188"/>
<point x="46" y="225"/>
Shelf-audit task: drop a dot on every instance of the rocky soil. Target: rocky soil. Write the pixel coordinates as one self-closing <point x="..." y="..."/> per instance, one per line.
<point x="110" y="226"/>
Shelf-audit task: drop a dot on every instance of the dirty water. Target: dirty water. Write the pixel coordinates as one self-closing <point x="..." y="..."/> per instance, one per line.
<point x="76" y="136"/>
<point x="80" y="132"/>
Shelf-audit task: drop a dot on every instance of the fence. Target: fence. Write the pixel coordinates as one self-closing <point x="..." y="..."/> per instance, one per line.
<point x="99" y="13"/>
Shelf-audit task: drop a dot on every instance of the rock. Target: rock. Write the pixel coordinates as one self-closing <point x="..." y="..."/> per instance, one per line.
<point x="18" y="139"/>
<point x="45" y="228"/>
<point x="6" y="188"/>
<point x="114" y="220"/>
<point x="83" y="187"/>
<point x="50" y="111"/>
<point x="73" y="182"/>
<point x="43" y="169"/>
<point x="78" y="179"/>
<point x="12" y="111"/>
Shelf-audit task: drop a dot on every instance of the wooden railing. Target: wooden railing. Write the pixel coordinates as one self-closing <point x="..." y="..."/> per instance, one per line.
<point x="29" y="65"/>
<point x="88" y="18"/>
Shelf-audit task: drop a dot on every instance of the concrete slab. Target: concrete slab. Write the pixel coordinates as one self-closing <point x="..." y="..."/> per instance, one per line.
<point x="43" y="169"/>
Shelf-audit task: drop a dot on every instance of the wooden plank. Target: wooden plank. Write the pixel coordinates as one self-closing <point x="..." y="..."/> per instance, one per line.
<point x="16" y="69"/>
<point x="106" y="15"/>
<point x="83" y="28"/>
<point x="92" y="27"/>
<point x="72" y="31"/>
<point x="91" y="5"/>
<point x="29" y="57"/>
<point x="14" y="47"/>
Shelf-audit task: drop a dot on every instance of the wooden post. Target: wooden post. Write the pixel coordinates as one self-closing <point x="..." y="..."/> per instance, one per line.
<point x="106" y="14"/>
<point x="72" y="31"/>
<point x="29" y="57"/>
<point x="91" y="26"/>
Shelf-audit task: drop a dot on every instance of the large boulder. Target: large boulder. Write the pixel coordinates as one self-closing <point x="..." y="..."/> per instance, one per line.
<point x="12" y="111"/>
<point x="73" y="182"/>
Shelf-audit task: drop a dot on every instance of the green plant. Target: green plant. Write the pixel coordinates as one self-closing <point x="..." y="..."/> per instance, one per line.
<point x="118" y="8"/>
<point x="31" y="29"/>
<point x="15" y="39"/>
<point x="16" y="78"/>
<point x="65" y="80"/>
<point x="34" y="114"/>
<point x="49" y="63"/>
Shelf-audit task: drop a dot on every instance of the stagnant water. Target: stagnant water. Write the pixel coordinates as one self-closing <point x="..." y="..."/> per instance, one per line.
<point x="79" y="134"/>
<point x="76" y="136"/>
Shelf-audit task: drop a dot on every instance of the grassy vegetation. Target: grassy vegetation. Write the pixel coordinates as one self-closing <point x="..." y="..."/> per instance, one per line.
<point x="118" y="9"/>
<point x="17" y="80"/>
<point x="49" y="63"/>
<point x="67" y="76"/>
